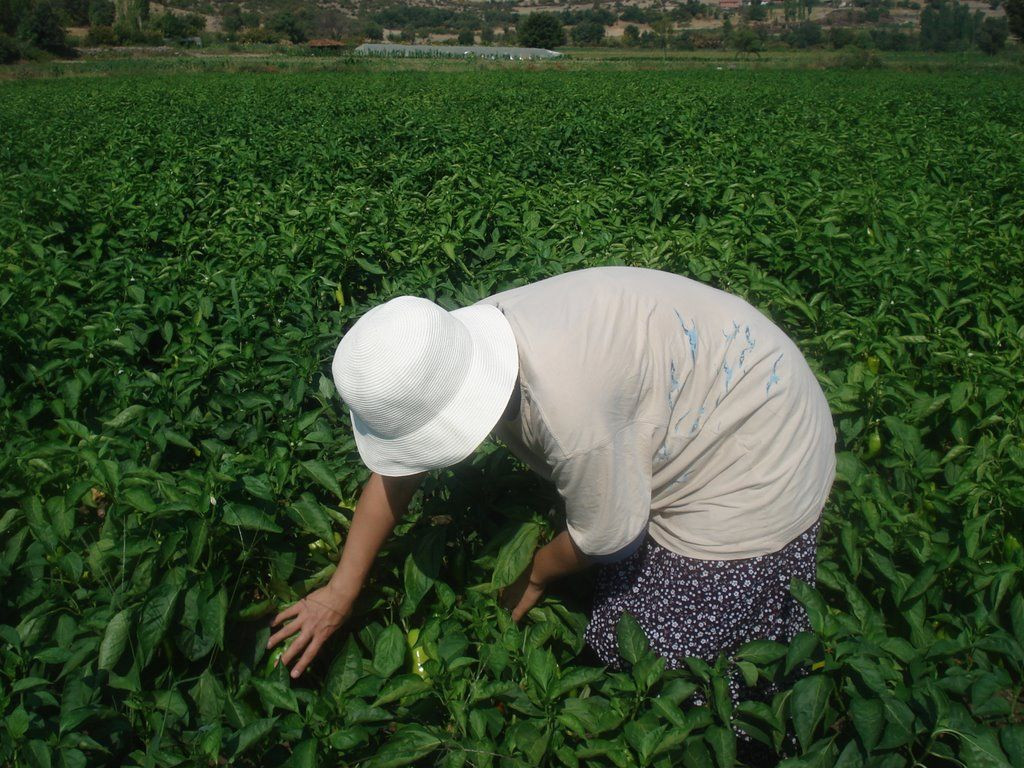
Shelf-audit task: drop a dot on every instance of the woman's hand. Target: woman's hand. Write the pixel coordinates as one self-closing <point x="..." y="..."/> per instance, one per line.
<point x="522" y="594"/>
<point x="315" y="617"/>
<point x="558" y="557"/>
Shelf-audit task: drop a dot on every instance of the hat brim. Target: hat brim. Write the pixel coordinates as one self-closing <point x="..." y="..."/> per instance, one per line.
<point x="468" y="418"/>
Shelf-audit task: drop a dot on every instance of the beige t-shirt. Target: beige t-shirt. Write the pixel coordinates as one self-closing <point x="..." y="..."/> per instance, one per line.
<point x="656" y="403"/>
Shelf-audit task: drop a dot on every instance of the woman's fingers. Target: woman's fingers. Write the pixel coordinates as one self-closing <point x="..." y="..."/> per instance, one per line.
<point x="287" y="613"/>
<point x="311" y="651"/>
<point x="294" y="649"/>
<point x="286" y="631"/>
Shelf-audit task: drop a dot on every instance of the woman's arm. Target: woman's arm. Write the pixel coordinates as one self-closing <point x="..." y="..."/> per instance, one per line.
<point x="381" y="505"/>
<point x="559" y="557"/>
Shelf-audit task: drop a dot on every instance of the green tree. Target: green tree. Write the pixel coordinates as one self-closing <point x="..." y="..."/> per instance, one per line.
<point x="948" y="26"/>
<point x="804" y="35"/>
<point x="373" y="31"/>
<point x="631" y="34"/>
<point x="287" y="24"/>
<point x="992" y="35"/>
<point x="541" y="30"/>
<point x="76" y="11"/>
<point x="487" y="34"/>
<point x="41" y="27"/>
<point x="1015" y="17"/>
<point x="466" y="36"/>
<point x="745" y="40"/>
<point x="840" y="37"/>
<point x="10" y="51"/>
<point x="588" y="33"/>
<point x="11" y="14"/>
<point x="231" y="19"/>
<point x="755" y="11"/>
<point x="101" y="13"/>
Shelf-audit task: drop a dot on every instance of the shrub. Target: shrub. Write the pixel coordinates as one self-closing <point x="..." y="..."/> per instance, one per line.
<point x="992" y="35"/>
<point x="541" y="30"/>
<point x="466" y="37"/>
<point x="373" y="31"/>
<point x="840" y="37"/>
<point x="10" y="51"/>
<point x="42" y="28"/>
<point x="804" y="35"/>
<point x="588" y="33"/>
<point x="101" y="13"/>
<point x="101" y="35"/>
<point x="1015" y="17"/>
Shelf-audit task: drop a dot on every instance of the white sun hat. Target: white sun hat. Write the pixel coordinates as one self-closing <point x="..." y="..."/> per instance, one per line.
<point x="425" y="386"/>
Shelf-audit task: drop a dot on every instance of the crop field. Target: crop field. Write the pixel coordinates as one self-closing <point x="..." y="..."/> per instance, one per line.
<point x="180" y="255"/>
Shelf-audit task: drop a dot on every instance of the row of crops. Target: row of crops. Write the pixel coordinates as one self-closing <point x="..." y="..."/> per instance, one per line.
<point x="179" y="256"/>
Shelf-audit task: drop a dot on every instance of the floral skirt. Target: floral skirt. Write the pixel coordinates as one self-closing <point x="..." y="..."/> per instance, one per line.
<point x="701" y="608"/>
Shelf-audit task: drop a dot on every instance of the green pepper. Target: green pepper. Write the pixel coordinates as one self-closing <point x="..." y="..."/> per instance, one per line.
<point x="874" y="445"/>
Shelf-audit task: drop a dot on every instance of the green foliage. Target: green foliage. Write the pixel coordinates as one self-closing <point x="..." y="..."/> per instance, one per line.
<point x="744" y="39"/>
<point x="949" y="26"/>
<point x="588" y="33"/>
<point x="840" y="37"/>
<point x="10" y="49"/>
<point x="466" y="36"/>
<point x="992" y="35"/>
<point x="41" y="27"/>
<point x="173" y="453"/>
<point x="541" y="30"/>
<point x="11" y="14"/>
<point x="101" y="13"/>
<point x="1015" y="17"/>
<point x="231" y="19"/>
<point x="177" y="26"/>
<point x="293" y="26"/>
<point x="804" y="35"/>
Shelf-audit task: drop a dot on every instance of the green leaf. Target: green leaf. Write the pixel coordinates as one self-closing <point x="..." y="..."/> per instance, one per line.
<point x="209" y="695"/>
<point x="253" y="733"/>
<point x="139" y="499"/>
<point x="981" y="750"/>
<point x="369" y="266"/>
<point x="1012" y="739"/>
<point x="868" y="719"/>
<point x="631" y="639"/>
<point x="807" y="706"/>
<point x="811" y="599"/>
<point x="115" y="636"/>
<point x="723" y="745"/>
<point x="323" y="475"/>
<point x="515" y="555"/>
<point x="303" y="755"/>
<point x="761" y="652"/>
<point x="541" y="670"/>
<point x="400" y="687"/>
<point x="409" y="744"/>
<point x="157" y="612"/>
<point x="421" y="568"/>
<point x="248" y="517"/>
<point x="39" y="754"/>
<point x="17" y="723"/>
<point x="275" y="694"/>
<point x="1017" y="617"/>
<point x="312" y="518"/>
<point x="389" y="651"/>
<point x="800" y="650"/>
<point x="126" y="417"/>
